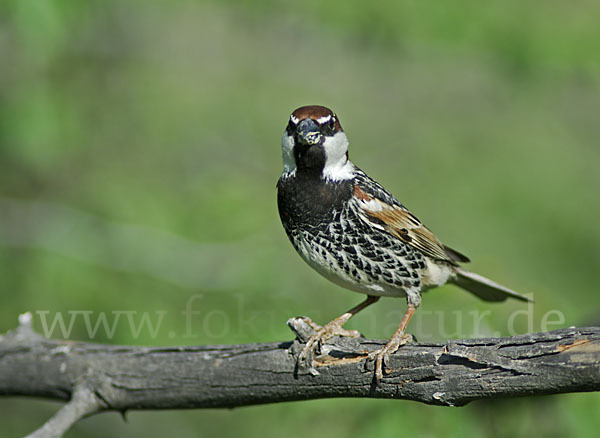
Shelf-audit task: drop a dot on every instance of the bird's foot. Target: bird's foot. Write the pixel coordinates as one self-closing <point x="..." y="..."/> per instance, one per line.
<point x="382" y="356"/>
<point x="313" y="344"/>
<point x="316" y="327"/>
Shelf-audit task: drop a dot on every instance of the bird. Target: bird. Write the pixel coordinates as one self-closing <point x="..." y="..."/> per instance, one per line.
<point x="350" y="229"/>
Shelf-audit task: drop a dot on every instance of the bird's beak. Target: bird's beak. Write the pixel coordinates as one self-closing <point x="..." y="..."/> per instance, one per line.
<point x="308" y="133"/>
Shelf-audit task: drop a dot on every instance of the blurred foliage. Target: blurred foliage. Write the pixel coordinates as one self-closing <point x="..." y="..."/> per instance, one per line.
<point x="139" y="150"/>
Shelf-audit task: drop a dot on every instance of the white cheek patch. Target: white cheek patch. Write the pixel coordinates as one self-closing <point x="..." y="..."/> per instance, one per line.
<point x="339" y="172"/>
<point x="287" y="153"/>
<point x="337" y="166"/>
<point x="294" y="119"/>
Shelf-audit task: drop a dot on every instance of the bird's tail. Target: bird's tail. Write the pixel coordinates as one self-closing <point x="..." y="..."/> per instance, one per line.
<point x="485" y="288"/>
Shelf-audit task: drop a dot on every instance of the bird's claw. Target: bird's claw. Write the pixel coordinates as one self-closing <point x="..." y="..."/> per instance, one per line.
<point x="316" y="327"/>
<point x="314" y="343"/>
<point x="382" y="356"/>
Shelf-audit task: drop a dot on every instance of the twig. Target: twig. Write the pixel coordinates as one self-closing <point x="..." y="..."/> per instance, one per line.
<point x="83" y="403"/>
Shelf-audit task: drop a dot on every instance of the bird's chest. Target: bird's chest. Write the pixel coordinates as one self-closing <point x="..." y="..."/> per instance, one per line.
<point x="306" y="203"/>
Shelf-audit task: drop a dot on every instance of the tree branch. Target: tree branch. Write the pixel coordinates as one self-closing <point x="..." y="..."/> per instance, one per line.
<point x="98" y="377"/>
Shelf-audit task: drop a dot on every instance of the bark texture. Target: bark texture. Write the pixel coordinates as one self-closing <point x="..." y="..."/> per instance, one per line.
<point x="98" y="377"/>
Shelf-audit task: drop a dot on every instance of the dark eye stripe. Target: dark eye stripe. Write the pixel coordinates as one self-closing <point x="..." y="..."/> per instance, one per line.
<point x="328" y="124"/>
<point x="290" y="128"/>
<point x="329" y="127"/>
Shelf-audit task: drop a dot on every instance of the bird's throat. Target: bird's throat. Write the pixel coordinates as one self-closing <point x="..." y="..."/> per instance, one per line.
<point x="310" y="161"/>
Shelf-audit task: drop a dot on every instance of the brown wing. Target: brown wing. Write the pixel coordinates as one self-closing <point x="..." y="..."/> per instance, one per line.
<point x="402" y="224"/>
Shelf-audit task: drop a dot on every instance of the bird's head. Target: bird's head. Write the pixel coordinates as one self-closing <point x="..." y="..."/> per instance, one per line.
<point x="314" y="144"/>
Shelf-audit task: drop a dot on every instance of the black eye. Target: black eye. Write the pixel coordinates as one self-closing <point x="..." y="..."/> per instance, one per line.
<point x="291" y="128"/>
<point x="329" y="127"/>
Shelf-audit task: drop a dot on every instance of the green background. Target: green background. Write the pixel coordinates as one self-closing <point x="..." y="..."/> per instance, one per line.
<point x="140" y="147"/>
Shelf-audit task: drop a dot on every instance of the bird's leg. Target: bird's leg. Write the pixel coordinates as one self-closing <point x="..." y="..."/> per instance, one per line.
<point x="399" y="338"/>
<point x="332" y="328"/>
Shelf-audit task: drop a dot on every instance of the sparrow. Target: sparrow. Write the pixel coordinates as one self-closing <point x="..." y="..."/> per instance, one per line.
<point x="352" y="231"/>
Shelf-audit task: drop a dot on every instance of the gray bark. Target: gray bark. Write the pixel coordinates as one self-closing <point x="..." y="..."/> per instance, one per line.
<point x="114" y="377"/>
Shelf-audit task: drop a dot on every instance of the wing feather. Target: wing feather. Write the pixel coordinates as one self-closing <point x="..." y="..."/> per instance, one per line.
<point x="401" y="223"/>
